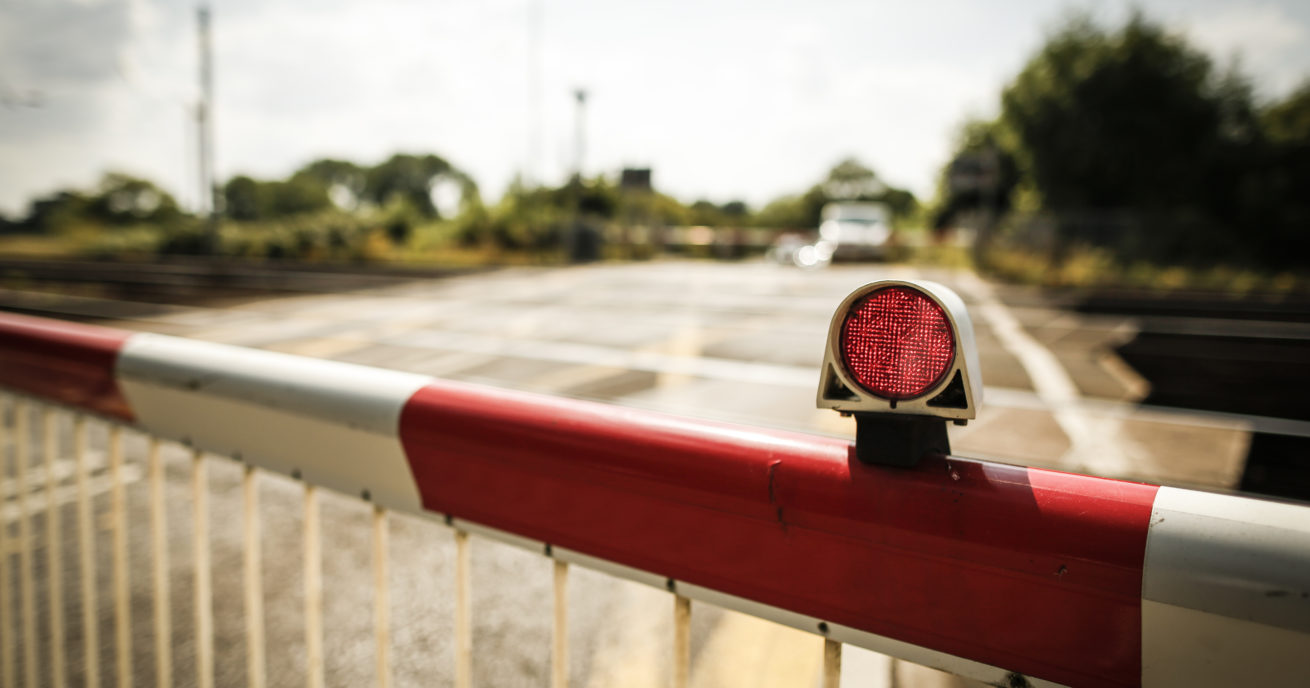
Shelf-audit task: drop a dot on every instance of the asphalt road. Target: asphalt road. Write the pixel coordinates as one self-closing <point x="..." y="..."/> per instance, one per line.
<point x="740" y="342"/>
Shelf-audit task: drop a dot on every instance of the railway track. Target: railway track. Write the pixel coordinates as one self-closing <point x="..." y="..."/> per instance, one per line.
<point x="197" y="280"/>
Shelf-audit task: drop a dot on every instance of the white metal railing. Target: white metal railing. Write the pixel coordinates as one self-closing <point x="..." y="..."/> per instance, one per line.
<point x="20" y="543"/>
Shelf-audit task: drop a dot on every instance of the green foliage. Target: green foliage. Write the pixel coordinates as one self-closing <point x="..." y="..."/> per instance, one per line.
<point x="118" y="200"/>
<point x="848" y="180"/>
<point x="344" y="182"/>
<point x="1130" y="117"/>
<point x="330" y="235"/>
<point x="247" y="199"/>
<point x="537" y="220"/>
<point x="1288" y="122"/>
<point x="323" y="184"/>
<point x="787" y="212"/>
<point x="123" y="200"/>
<point x="1131" y="141"/>
<point x="337" y="210"/>
<point x="412" y="178"/>
<point x="983" y="174"/>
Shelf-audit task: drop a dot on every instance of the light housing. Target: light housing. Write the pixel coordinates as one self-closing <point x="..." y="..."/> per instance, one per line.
<point x="901" y="357"/>
<point x="954" y="389"/>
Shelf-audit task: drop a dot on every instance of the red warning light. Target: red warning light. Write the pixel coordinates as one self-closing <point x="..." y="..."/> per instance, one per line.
<point x="897" y="343"/>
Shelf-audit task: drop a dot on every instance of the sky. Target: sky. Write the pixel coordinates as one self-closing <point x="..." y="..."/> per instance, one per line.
<point x="723" y="100"/>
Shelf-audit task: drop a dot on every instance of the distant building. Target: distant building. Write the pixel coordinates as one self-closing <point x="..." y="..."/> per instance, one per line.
<point x="635" y="179"/>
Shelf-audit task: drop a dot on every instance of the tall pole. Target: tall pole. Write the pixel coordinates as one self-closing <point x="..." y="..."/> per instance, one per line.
<point x="535" y="170"/>
<point x="205" y="134"/>
<point x="579" y="137"/>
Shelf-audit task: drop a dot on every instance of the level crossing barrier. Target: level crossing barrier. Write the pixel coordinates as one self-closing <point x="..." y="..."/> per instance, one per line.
<point x="1006" y="574"/>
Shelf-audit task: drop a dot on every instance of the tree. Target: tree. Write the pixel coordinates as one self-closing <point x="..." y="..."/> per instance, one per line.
<point x="117" y="200"/>
<point x="56" y="211"/>
<point x="704" y="213"/>
<point x="413" y="177"/>
<point x="1131" y="141"/>
<point x="1131" y="121"/>
<point x="122" y="199"/>
<point x="736" y="211"/>
<point x="241" y="199"/>
<point x="787" y="212"/>
<point x="1274" y="197"/>
<point x="981" y="176"/>
<point x="1288" y="121"/>
<point x="1105" y="119"/>
<point x="344" y="181"/>
<point x="248" y="199"/>
<point x="299" y="194"/>
<point x="849" y="180"/>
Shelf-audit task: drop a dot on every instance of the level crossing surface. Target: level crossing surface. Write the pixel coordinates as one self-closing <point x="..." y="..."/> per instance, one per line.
<point x="736" y="342"/>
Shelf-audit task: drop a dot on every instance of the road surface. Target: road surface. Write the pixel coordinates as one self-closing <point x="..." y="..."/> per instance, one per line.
<point x="740" y="342"/>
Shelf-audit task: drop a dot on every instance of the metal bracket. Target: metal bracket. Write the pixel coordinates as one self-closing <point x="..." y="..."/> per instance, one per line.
<point x="895" y="440"/>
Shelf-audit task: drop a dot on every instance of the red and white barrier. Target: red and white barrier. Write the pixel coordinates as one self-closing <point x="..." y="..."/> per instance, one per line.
<point x="1002" y="573"/>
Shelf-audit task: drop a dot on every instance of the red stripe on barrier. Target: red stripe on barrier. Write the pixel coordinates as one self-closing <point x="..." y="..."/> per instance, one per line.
<point x="65" y="362"/>
<point x="1034" y="571"/>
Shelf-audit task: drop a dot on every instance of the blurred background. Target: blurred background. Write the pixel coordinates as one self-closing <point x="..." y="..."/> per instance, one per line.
<point x="1158" y="143"/>
<point x="659" y="205"/>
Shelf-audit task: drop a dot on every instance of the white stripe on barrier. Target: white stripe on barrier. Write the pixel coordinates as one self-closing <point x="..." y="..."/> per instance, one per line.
<point x="1234" y="556"/>
<point x="1225" y="591"/>
<point x="1225" y="587"/>
<point x="336" y="424"/>
<point x="1185" y="647"/>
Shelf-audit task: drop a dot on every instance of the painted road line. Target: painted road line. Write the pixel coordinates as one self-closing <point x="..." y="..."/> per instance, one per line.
<point x="1097" y="444"/>
<point x="489" y="347"/>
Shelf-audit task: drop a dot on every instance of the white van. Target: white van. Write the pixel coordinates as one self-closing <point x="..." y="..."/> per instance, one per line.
<point x="855" y="231"/>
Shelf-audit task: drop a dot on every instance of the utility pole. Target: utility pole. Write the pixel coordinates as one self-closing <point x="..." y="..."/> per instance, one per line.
<point x="579" y="137"/>
<point x="535" y="173"/>
<point x="205" y="134"/>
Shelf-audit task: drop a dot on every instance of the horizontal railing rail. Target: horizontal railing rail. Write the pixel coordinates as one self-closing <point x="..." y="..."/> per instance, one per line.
<point x="1007" y="574"/>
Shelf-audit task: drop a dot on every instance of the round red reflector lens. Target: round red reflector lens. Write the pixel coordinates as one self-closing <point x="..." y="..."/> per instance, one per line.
<point x="897" y="343"/>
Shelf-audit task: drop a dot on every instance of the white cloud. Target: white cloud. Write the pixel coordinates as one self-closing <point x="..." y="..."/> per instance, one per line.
<point x="1263" y="38"/>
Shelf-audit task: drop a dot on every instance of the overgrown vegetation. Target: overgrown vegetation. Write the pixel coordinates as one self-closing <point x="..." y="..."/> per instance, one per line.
<point x="1125" y="151"/>
<point x="1120" y="155"/>
<point x="416" y="208"/>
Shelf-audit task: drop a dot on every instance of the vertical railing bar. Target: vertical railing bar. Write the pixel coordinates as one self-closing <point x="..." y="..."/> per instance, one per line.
<point x="54" y="551"/>
<point x="27" y="586"/>
<point x="159" y="545"/>
<point x="122" y="596"/>
<point x="382" y="596"/>
<point x="313" y="590"/>
<point x="831" y="663"/>
<point x="559" y="655"/>
<point x="204" y="594"/>
<point x="463" y="614"/>
<point x="681" y="641"/>
<point x="256" y="675"/>
<point x="86" y="543"/>
<point x="7" y="671"/>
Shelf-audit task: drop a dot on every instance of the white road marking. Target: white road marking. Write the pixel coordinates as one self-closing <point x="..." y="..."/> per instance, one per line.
<point x="1097" y="444"/>
<point x="590" y="354"/>
<point x="1068" y="402"/>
